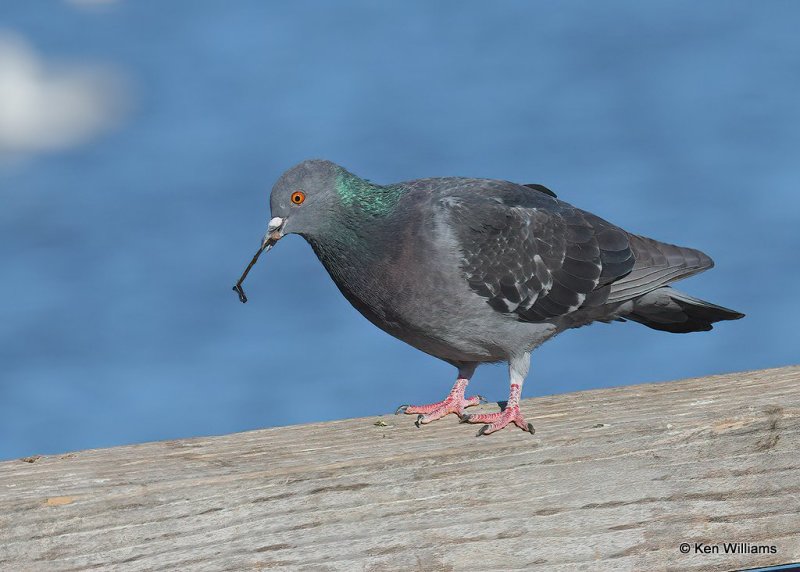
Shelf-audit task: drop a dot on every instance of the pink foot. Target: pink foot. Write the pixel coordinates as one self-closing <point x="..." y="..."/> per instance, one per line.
<point x="455" y="402"/>
<point x="496" y="421"/>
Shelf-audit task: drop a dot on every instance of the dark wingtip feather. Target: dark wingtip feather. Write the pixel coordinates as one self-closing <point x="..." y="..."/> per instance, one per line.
<point x="541" y="189"/>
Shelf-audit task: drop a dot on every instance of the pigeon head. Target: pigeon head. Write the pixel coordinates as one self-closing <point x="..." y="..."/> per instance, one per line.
<point x="320" y="201"/>
<point x="304" y="201"/>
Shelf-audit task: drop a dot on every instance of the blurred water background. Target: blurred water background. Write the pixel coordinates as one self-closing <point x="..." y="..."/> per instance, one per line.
<point x="139" y="142"/>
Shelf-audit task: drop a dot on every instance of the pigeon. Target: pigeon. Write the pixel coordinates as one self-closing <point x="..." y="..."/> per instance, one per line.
<point x="476" y="271"/>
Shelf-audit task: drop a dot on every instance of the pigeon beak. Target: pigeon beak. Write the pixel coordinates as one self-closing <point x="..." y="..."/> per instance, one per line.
<point x="274" y="234"/>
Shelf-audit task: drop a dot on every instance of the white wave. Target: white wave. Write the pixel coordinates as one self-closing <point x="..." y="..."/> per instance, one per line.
<point x="48" y="105"/>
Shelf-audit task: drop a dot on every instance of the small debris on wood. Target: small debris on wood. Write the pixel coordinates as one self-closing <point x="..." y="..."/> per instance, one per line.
<point x="59" y="501"/>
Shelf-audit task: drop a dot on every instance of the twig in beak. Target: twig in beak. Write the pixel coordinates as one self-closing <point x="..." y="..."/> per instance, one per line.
<point x="238" y="288"/>
<point x="274" y="234"/>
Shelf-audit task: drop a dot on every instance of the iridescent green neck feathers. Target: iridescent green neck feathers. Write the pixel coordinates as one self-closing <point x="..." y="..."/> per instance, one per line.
<point x="374" y="200"/>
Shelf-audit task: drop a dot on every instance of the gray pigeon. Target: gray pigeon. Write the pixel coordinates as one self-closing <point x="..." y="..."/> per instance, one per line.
<point x="478" y="270"/>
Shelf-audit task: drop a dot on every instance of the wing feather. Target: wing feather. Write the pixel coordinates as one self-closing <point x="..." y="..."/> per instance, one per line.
<point x="657" y="264"/>
<point x="534" y="256"/>
<point x="539" y="258"/>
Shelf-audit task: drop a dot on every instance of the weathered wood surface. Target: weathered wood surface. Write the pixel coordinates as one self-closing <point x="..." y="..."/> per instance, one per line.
<point x="614" y="479"/>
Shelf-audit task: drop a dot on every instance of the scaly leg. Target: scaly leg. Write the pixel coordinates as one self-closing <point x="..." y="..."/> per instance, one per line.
<point x="518" y="369"/>
<point x="455" y="402"/>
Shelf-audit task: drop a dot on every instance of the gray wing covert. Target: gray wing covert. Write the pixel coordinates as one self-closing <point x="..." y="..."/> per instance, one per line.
<point x="536" y="258"/>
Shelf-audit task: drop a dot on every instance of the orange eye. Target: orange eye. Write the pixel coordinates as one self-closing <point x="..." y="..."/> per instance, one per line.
<point x="298" y="197"/>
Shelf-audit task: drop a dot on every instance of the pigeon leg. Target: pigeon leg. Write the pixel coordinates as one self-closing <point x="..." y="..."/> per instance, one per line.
<point x="510" y="413"/>
<point x="455" y="402"/>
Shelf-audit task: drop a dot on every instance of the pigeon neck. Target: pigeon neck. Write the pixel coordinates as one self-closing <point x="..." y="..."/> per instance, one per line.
<point x="361" y="195"/>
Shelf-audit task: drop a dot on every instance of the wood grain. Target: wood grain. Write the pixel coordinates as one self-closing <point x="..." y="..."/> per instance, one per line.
<point x="613" y="479"/>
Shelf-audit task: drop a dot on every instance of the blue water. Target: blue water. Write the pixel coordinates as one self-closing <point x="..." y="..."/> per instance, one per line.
<point x="678" y="120"/>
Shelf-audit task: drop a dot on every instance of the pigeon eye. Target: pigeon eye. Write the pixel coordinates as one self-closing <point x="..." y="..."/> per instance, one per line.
<point x="298" y="197"/>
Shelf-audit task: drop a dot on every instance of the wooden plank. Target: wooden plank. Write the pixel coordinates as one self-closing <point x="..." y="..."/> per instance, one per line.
<point x="613" y="479"/>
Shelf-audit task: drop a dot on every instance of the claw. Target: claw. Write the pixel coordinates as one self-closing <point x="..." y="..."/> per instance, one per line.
<point x="496" y="421"/>
<point x="465" y="418"/>
<point x="455" y="402"/>
<point x="482" y="399"/>
<point x="418" y="422"/>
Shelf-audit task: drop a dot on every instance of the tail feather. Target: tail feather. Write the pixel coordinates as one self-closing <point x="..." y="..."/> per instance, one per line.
<point x="668" y="310"/>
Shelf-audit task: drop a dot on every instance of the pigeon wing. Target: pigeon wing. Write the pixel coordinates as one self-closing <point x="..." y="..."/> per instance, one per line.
<point x="535" y="256"/>
<point x="657" y="264"/>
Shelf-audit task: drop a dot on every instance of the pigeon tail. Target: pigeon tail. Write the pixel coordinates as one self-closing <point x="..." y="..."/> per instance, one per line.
<point x="668" y="310"/>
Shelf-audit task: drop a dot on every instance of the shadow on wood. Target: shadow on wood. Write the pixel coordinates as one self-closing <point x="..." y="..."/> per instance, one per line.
<point x="613" y="479"/>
